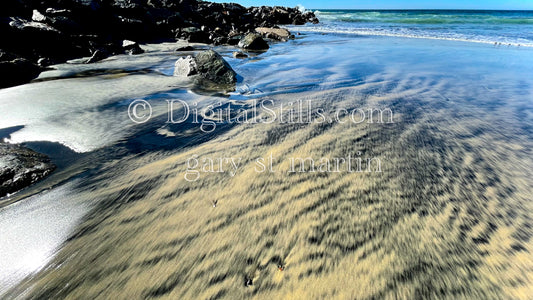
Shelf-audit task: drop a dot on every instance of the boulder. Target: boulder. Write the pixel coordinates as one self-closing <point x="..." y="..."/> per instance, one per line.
<point x="239" y="54"/>
<point x="98" y="55"/>
<point x="185" y="66"/>
<point x="17" y="71"/>
<point x="21" y="167"/>
<point x="102" y="51"/>
<point x="214" y="68"/>
<point x="37" y="16"/>
<point x="131" y="47"/>
<point x="211" y="68"/>
<point x="253" y="41"/>
<point x="279" y="34"/>
<point x="44" y="62"/>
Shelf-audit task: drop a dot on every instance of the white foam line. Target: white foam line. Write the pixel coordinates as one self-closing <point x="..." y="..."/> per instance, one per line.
<point x="413" y="36"/>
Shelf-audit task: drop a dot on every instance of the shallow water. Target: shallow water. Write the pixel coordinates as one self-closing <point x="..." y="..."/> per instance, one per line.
<point x="32" y="230"/>
<point x="463" y="122"/>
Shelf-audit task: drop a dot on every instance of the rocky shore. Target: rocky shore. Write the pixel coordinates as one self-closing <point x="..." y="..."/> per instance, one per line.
<point x="36" y="34"/>
<point x="21" y="167"/>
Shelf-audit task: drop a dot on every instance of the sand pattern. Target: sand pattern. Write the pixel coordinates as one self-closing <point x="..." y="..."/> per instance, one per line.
<point x="449" y="216"/>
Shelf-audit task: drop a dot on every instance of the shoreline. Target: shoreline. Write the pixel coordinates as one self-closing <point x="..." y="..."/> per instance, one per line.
<point x="363" y="33"/>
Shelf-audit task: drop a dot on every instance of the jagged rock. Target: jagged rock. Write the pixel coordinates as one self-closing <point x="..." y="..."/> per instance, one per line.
<point x="23" y="25"/>
<point x="21" y="167"/>
<point x="37" y="16"/>
<point x="185" y="66"/>
<point x="253" y="41"/>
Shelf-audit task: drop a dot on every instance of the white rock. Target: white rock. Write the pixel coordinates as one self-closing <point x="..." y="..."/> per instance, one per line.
<point x="185" y="66"/>
<point x="37" y="16"/>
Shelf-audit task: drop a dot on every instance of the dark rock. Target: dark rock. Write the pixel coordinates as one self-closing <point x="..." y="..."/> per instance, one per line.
<point x="17" y="71"/>
<point x="234" y="40"/>
<point x="185" y="48"/>
<point x="132" y="28"/>
<point x="213" y="67"/>
<point x="194" y="35"/>
<point x="21" y="167"/>
<point x="298" y="20"/>
<point x="109" y="49"/>
<point x="88" y="4"/>
<point x="6" y="56"/>
<point x="131" y="47"/>
<point x="211" y="70"/>
<point x="98" y="55"/>
<point x="30" y="26"/>
<point x="238" y="54"/>
<point x="253" y="41"/>
<point x="44" y="62"/>
<point x="62" y="20"/>
<point x="127" y="4"/>
<point x="32" y="40"/>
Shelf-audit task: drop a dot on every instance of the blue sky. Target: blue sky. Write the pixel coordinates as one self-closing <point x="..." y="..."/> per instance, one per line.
<point x="399" y="4"/>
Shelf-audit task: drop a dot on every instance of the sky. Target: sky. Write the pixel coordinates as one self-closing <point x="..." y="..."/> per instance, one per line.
<point x="394" y="4"/>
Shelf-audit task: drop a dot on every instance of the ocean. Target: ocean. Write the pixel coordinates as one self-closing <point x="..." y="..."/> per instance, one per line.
<point x="482" y="26"/>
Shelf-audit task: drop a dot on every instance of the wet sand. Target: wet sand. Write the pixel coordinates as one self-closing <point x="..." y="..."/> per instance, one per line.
<point x="449" y="216"/>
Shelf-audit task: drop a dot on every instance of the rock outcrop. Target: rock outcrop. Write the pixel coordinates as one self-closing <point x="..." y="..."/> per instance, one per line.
<point x="21" y="167"/>
<point x="59" y="30"/>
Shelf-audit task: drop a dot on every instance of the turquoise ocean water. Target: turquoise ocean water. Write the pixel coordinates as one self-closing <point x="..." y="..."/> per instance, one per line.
<point x="506" y="27"/>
